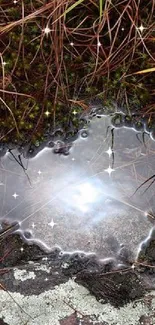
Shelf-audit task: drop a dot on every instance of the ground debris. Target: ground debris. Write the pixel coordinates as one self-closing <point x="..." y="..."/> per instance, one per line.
<point x="116" y="288"/>
<point x="73" y="319"/>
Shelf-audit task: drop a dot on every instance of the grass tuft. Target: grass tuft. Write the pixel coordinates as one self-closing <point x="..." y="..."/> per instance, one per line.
<point x="58" y="55"/>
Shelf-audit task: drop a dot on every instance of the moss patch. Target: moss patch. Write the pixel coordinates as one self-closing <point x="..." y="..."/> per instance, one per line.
<point x="53" y="64"/>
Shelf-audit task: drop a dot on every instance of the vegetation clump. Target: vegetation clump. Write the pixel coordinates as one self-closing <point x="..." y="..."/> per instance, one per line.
<point x="58" y="55"/>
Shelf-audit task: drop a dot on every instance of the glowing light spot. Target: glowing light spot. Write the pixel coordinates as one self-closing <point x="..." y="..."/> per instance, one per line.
<point x="39" y="172"/>
<point x="99" y="44"/>
<point x="141" y="28"/>
<point x="21" y="249"/>
<point x="33" y="225"/>
<point x="109" y="151"/>
<point x="72" y="44"/>
<point x="47" y="113"/>
<point x="15" y="195"/>
<point x="15" y="1"/>
<point x="74" y="112"/>
<point x="122" y="28"/>
<point x="87" y="194"/>
<point x="4" y="63"/>
<point x="46" y="30"/>
<point x="109" y="170"/>
<point x="52" y="224"/>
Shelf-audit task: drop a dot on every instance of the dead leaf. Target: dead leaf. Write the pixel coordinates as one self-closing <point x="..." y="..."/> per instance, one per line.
<point x="74" y="320"/>
<point x="70" y="320"/>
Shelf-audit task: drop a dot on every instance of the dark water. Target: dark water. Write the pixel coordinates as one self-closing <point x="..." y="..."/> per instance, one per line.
<point x="72" y="201"/>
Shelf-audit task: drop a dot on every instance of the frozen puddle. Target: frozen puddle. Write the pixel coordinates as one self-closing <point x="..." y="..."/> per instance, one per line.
<point x="79" y="202"/>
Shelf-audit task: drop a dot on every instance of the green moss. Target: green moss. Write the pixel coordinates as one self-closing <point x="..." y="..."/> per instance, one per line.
<point x="52" y="71"/>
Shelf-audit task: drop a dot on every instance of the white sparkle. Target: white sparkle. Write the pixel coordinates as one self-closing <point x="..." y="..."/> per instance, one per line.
<point x="15" y="1"/>
<point x="39" y="172"/>
<point x="109" y="170"/>
<point x="133" y="266"/>
<point x="46" y="279"/>
<point x="72" y="44"/>
<point x="109" y="151"/>
<point x="47" y="113"/>
<point x="73" y="158"/>
<point x="74" y="112"/>
<point x="44" y="258"/>
<point x="99" y="44"/>
<point x="122" y="28"/>
<point x="46" y="30"/>
<point x="141" y="28"/>
<point x="4" y="63"/>
<point x="21" y="249"/>
<point x="33" y="225"/>
<point x="52" y="223"/>
<point x="15" y="195"/>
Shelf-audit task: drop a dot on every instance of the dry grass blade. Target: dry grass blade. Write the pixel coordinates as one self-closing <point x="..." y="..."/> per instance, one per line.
<point x="27" y="18"/>
<point x="66" y="11"/>
<point x="8" y="229"/>
<point x="71" y="8"/>
<point x="9" y="109"/>
<point x="149" y="70"/>
<point x="15" y="93"/>
<point x="144" y="71"/>
<point x="93" y="43"/>
<point x="100" y="7"/>
<point x="80" y="103"/>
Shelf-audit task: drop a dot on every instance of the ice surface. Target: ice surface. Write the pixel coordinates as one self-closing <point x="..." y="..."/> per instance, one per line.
<point x="76" y="201"/>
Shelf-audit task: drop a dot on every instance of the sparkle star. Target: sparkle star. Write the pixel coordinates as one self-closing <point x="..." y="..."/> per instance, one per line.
<point x="46" y="30"/>
<point x="74" y="112"/>
<point x="21" y="249"/>
<point x="52" y="223"/>
<point x="141" y="28"/>
<point x="109" y="151"/>
<point x="4" y="63"/>
<point x="72" y="44"/>
<point x="15" y="1"/>
<point x="15" y="195"/>
<point x="39" y="172"/>
<point x="33" y="225"/>
<point x="99" y="44"/>
<point x="109" y="170"/>
<point x="47" y="113"/>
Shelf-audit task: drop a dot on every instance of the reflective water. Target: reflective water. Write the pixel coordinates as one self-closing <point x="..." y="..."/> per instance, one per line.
<point x="77" y="201"/>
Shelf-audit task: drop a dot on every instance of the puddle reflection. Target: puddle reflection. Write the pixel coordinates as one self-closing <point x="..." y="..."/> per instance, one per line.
<point x="81" y="201"/>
